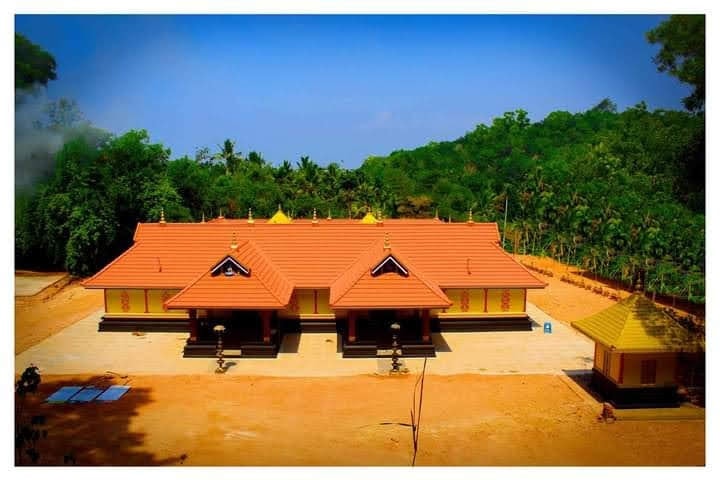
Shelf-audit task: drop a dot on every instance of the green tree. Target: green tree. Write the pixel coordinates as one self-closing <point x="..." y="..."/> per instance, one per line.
<point x="682" y="54"/>
<point x="33" y="65"/>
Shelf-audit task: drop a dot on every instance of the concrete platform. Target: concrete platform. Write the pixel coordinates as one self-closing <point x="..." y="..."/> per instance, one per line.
<point x="80" y="348"/>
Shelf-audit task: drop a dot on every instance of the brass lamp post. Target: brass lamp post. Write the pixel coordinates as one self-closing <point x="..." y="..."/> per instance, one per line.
<point x="395" y="328"/>
<point x="219" y="330"/>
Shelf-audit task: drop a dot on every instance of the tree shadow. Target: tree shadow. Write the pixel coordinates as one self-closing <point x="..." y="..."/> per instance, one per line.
<point x="94" y="433"/>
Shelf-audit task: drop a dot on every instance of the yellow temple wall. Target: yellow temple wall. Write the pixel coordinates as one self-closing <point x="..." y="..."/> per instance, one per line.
<point x="309" y="303"/>
<point x="467" y="301"/>
<point x="664" y="371"/>
<point x="139" y="302"/>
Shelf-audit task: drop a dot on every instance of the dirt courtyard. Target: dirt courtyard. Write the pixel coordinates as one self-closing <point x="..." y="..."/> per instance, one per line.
<point x="468" y="419"/>
<point x="472" y="420"/>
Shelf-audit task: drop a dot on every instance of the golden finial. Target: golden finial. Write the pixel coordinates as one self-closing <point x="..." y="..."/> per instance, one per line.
<point x="379" y="217"/>
<point x="279" y="207"/>
<point x="203" y="218"/>
<point x="470" y="218"/>
<point x="437" y="214"/>
<point x="250" y="217"/>
<point x="233" y="244"/>
<point x="162" y="215"/>
<point x="221" y="215"/>
<point x="329" y="217"/>
<point x="315" y="219"/>
<point x="386" y="245"/>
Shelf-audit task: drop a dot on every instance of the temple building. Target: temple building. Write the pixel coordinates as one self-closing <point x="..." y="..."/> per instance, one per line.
<point x="640" y="353"/>
<point x="263" y="278"/>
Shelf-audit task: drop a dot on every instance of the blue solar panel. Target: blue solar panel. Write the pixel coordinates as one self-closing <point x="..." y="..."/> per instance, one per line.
<point x="63" y="395"/>
<point x="87" y="394"/>
<point x="113" y="393"/>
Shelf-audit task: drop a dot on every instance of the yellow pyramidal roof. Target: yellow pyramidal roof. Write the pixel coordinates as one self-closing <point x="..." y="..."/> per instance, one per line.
<point x="636" y="324"/>
<point x="369" y="218"/>
<point x="279" y="217"/>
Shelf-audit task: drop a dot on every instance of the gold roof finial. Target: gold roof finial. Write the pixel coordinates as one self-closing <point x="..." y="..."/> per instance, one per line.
<point x="203" y="218"/>
<point x="250" y="217"/>
<point x="315" y="219"/>
<point x="329" y="217"/>
<point x="279" y="207"/>
<point x="233" y="243"/>
<point x="437" y="213"/>
<point x="470" y="217"/>
<point x="162" y="215"/>
<point x="221" y="215"/>
<point x="379" y="217"/>
<point x="386" y="245"/>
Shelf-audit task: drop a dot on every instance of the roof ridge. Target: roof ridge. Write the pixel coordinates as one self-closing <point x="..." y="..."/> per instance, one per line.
<point x="251" y="244"/>
<point x="355" y="264"/>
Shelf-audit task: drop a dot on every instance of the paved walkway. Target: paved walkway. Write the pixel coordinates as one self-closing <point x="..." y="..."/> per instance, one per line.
<point x="81" y="349"/>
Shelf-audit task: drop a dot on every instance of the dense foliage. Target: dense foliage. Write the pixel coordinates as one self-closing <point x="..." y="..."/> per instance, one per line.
<point x="620" y="193"/>
<point x="33" y="65"/>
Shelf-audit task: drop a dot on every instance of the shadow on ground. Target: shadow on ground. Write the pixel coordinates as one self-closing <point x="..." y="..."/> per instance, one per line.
<point x="441" y="344"/>
<point x="92" y="433"/>
<point x="582" y="378"/>
<point x="290" y="343"/>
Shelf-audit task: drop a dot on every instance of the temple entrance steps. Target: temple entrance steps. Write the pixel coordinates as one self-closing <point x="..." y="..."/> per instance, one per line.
<point x="318" y="327"/>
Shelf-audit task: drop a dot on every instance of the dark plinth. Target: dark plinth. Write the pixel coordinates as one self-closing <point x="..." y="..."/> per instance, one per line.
<point x="634" y="397"/>
<point x="207" y="349"/>
<point x="372" y="350"/>
<point x="484" y="324"/>
<point x="144" y="325"/>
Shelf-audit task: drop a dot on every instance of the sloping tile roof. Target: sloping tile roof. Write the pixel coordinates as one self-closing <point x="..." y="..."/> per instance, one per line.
<point x="311" y="255"/>
<point x="265" y="287"/>
<point x="357" y="288"/>
<point x="636" y="324"/>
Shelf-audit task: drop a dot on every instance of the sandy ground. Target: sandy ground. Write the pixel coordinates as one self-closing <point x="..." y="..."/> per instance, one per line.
<point x="564" y="301"/>
<point x="361" y="420"/>
<point x="241" y="419"/>
<point x="37" y="319"/>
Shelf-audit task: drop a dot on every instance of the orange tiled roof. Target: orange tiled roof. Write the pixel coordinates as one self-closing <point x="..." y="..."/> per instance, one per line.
<point x="265" y="287"/>
<point x="358" y="288"/>
<point x="308" y="255"/>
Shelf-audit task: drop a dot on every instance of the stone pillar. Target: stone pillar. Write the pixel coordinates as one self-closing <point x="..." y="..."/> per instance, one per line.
<point x="194" y="325"/>
<point x="266" y="315"/>
<point x="425" y="319"/>
<point x="352" y="335"/>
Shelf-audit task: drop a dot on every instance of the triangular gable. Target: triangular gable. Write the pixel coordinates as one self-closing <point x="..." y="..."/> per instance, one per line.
<point x="254" y="284"/>
<point x="229" y="266"/>
<point x="382" y="278"/>
<point x="389" y="264"/>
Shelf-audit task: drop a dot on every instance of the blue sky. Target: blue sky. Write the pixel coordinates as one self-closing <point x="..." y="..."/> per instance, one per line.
<point x="342" y="88"/>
